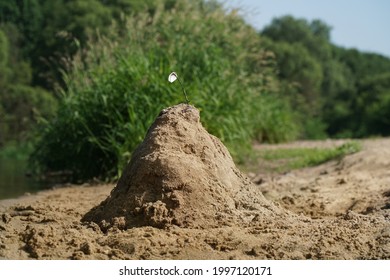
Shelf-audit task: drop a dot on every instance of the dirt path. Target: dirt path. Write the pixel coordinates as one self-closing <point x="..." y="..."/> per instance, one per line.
<point x="339" y="210"/>
<point x="359" y="182"/>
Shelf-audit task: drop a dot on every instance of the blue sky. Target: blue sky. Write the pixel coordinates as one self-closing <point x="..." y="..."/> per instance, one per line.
<point x="361" y="24"/>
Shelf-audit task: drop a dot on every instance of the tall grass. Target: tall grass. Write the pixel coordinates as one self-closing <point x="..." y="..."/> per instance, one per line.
<point x="118" y="85"/>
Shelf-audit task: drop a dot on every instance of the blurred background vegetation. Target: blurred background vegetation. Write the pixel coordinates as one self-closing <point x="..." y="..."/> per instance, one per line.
<point x="82" y="80"/>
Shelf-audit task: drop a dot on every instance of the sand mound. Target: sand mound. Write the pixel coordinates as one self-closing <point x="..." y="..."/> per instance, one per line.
<point x="181" y="175"/>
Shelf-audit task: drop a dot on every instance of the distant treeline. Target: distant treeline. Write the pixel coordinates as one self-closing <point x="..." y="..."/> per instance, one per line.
<point x="83" y="79"/>
<point x="339" y="92"/>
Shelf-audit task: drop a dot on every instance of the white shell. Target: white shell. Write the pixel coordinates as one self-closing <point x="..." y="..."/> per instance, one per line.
<point x="172" y="77"/>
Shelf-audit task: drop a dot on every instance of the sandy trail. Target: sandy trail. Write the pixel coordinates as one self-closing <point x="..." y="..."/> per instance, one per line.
<point x="359" y="182"/>
<point x="338" y="210"/>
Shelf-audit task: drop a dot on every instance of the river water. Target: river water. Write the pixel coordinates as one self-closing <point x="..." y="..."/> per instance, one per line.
<point x="13" y="181"/>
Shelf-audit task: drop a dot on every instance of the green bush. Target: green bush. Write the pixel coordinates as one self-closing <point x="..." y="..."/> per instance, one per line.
<point x="117" y="87"/>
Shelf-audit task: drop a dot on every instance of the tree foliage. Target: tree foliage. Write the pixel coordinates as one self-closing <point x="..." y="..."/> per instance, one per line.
<point x="332" y="88"/>
<point x="21" y="105"/>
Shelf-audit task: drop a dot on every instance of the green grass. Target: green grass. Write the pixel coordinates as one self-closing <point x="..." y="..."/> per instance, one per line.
<point x="286" y="159"/>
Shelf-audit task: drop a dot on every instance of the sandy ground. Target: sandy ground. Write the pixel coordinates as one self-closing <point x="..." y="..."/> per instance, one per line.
<point x="359" y="182"/>
<point x="339" y="210"/>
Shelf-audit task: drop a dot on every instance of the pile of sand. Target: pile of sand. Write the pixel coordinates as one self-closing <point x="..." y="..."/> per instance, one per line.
<point x="181" y="175"/>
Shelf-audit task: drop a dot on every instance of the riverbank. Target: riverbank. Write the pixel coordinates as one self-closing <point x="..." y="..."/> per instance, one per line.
<point x="338" y="210"/>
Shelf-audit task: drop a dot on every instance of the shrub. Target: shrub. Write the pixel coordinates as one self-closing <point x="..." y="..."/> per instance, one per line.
<point x="119" y="84"/>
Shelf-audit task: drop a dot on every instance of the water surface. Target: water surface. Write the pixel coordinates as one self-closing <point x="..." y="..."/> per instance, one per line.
<point x="13" y="179"/>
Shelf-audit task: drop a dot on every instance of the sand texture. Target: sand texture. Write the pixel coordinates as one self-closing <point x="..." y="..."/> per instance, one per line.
<point x="182" y="197"/>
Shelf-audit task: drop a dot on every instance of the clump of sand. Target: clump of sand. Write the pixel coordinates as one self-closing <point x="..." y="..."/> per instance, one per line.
<point x="181" y="175"/>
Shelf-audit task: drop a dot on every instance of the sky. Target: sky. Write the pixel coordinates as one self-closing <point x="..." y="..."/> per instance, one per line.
<point x="360" y="24"/>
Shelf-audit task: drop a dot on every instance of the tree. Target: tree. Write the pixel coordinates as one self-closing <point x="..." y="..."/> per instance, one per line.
<point x="21" y="105"/>
<point x="301" y="77"/>
<point x="327" y="81"/>
<point x="374" y="106"/>
<point x="9" y="11"/>
<point x="297" y="66"/>
<point x="4" y="49"/>
<point x="320" y="30"/>
<point x="337" y="90"/>
<point x="313" y="36"/>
